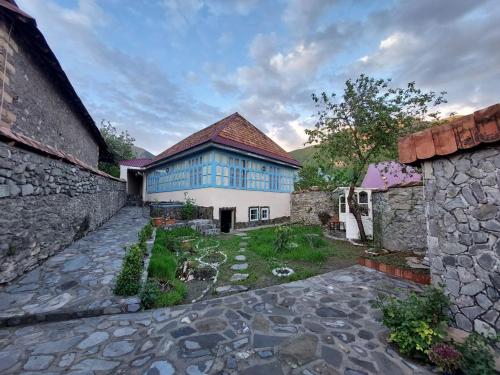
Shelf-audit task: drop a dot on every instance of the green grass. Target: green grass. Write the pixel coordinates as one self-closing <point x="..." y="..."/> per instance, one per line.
<point x="174" y="296"/>
<point x="313" y="255"/>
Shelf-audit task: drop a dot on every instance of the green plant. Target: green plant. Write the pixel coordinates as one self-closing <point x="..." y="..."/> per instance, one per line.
<point x="282" y="238"/>
<point x="145" y="233"/>
<point x="150" y="293"/>
<point x="188" y="209"/>
<point x="163" y="267"/>
<point x="446" y="357"/>
<point x="477" y="357"/>
<point x="417" y="322"/>
<point x="128" y="281"/>
<point x="176" y="294"/>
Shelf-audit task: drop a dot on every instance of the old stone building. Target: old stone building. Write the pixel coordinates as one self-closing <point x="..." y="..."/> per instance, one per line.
<point x="461" y="164"/>
<point x="51" y="191"/>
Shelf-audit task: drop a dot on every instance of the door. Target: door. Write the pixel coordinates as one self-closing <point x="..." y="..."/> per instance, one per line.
<point x="226" y="218"/>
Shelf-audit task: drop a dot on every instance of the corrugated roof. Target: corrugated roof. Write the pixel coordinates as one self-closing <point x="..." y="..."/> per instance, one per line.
<point x="478" y="128"/>
<point x="26" y="142"/>
<point x="390" y="174"/>
<point x="233" y="131"/>
<point x="135" y="162"/>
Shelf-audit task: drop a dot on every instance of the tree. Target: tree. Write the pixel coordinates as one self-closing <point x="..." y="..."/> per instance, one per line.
<point x="364" y="126"/>
<point x="315" y="175"/>
<point x="119" y="144"/>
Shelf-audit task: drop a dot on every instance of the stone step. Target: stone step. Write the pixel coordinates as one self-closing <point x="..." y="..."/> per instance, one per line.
<point x="239" y="277"/>
<point x="240" y="258"/>
<point x="231" y="289"/>
<point x="239" y="266"/>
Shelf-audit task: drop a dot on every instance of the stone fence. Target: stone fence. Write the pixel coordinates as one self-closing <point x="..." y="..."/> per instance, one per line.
<point x="308" y="207"/>
<point x="399" y="221"/>
<point x="45" y="205"/>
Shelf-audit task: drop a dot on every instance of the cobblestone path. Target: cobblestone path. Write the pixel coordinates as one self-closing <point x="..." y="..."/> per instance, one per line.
<point x="322" y="325"/>
<point x="79" y="280"/>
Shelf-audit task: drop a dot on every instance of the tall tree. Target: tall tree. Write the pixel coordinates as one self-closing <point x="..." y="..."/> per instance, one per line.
<point x="364" y="125"/>
<point x="119" y="143"/>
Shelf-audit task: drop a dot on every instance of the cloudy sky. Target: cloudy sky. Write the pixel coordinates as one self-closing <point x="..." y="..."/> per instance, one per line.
<point x="164" y="68"/>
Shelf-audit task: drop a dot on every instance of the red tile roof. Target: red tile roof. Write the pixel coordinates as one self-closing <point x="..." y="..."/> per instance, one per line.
<point x="23" y="141"/>
<point x="135" y="162"/>
<point x="233" y="131"/>
<point x="478" y="128"/>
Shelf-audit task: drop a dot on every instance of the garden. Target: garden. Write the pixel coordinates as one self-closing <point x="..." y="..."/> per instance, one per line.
<point x="184" y="266"/>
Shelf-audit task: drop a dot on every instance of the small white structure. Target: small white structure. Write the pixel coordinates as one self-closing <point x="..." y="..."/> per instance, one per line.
<point x="364" y="198"/>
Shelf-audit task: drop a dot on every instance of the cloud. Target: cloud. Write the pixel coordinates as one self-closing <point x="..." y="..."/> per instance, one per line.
<point x="301" y="16"/>
<point x="132" y="92"/>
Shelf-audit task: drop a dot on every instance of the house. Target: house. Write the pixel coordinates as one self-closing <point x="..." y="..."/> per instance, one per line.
<point x="231" y="166"/>
<point x="51" y="191"/>
<point x="461" y="170"/>
<point x="132" y="171"/>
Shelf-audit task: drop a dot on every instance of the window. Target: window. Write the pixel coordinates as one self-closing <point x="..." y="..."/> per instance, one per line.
<point x="363" y="203"/>
<point x="264" y="213"/>
<point x="342" y="203"/>
<point x="253" y="213"/>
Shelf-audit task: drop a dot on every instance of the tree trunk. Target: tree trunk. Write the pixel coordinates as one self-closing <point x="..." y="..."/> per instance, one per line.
<point x="353" y="208"/>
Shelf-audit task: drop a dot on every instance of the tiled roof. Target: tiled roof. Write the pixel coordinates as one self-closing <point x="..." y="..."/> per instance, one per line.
<point x="26" y="142"/>
<point x="478" y="128"/>
<point x="233" y="131"/>
<point x="135" y="162"/>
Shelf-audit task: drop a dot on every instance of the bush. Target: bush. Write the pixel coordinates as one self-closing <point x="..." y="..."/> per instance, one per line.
<point x="174" y="296"/>
<point x="150" y="293"/>
<point x="282" y="238"/>
<point x="446" y="357"/>
<point x="477" y="358"/>
<point x="188" y="209"/>
<point x="145" y="233"/>
<point x="129" y="278"/>
<point x="417" y="322"/>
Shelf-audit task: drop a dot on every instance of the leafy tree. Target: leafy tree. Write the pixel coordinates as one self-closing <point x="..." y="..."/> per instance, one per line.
<point x="364" y="126"/>
<point x="119" y="143"/>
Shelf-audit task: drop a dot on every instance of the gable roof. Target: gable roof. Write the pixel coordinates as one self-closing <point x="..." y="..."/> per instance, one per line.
<point x="388" y="174"/>
<point x="232" y="131"/>
<point x="478" y="128"/>
<point x="27" y="29"/>
<point x="135" y="162"/>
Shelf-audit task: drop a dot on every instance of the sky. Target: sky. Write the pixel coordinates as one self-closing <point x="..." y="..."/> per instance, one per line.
<point x="162" y="69"/>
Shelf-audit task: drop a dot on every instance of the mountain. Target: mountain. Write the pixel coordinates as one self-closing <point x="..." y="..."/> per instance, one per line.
<point x="141" y="153"/>
<point x="304" y="155"/>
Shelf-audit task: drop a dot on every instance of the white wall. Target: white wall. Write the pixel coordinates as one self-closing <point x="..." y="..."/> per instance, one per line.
<point x="279" y="203"/>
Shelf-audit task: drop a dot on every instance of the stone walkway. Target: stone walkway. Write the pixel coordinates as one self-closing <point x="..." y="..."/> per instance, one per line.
<point x="322" y="325"/>
<point x="79" y="280"/>
<point x="237" y="267"/>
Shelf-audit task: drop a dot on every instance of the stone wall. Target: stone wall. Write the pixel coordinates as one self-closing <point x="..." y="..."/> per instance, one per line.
<point x="36" y="107"/>
<point x="399" y="218"/>
<point x="462" y="205"/>
<point x="46" y="204"/>
<point x="308" y="205"/>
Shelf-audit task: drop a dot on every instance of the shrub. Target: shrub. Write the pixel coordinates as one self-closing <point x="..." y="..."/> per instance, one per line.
<point x="282" y="238"/>
<point x="174" y="296"/>
<point x="477" y="358"/>
<point x="446" y="357"/>
<point x="417" y="322"/>
<point x="145" y="233"/>
<point x="163" y="267"/>
<point x="129" y="278"/>
<point x="150" y="293"/>
<point x="188" y="209"/>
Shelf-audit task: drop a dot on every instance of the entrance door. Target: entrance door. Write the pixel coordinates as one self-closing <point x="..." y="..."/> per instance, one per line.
<point x="226" y="220"/>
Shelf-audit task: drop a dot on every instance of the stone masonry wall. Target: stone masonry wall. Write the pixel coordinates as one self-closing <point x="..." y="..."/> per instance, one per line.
<point x="46" y="204"/>
<point x="36" y="107"/>
<point x="307" y="205"/>
<point x="399" y="218"/>
<point x="462" y="206"/>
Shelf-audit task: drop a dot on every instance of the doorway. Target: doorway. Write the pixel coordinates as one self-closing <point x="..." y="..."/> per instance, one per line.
<point x="226" y="216"/>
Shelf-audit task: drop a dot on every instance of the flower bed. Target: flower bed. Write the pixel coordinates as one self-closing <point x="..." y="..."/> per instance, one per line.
<point x="392" y="265"/>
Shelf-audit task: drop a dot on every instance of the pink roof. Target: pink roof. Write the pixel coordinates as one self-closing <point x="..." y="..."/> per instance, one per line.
<point x="135" y="162"/>
<point x="390" y="174"/>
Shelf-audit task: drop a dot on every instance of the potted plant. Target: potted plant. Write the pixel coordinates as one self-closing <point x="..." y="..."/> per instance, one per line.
<point x="157" y="220"/>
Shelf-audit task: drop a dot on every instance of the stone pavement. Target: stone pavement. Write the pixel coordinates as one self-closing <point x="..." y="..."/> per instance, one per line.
<point x="79" y="280"/>
<point x="322" y="325"/>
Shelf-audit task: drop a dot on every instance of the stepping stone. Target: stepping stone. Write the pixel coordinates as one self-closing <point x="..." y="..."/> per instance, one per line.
<point x="239" y="267"/>
<point x="239" y="277"/>
<point x="240" y="258"/>
<point x="231" y="289"/>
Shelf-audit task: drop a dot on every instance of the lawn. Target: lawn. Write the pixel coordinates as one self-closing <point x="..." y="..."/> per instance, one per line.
<point x="183" y="263"/>
<point x="311" y="254"/>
